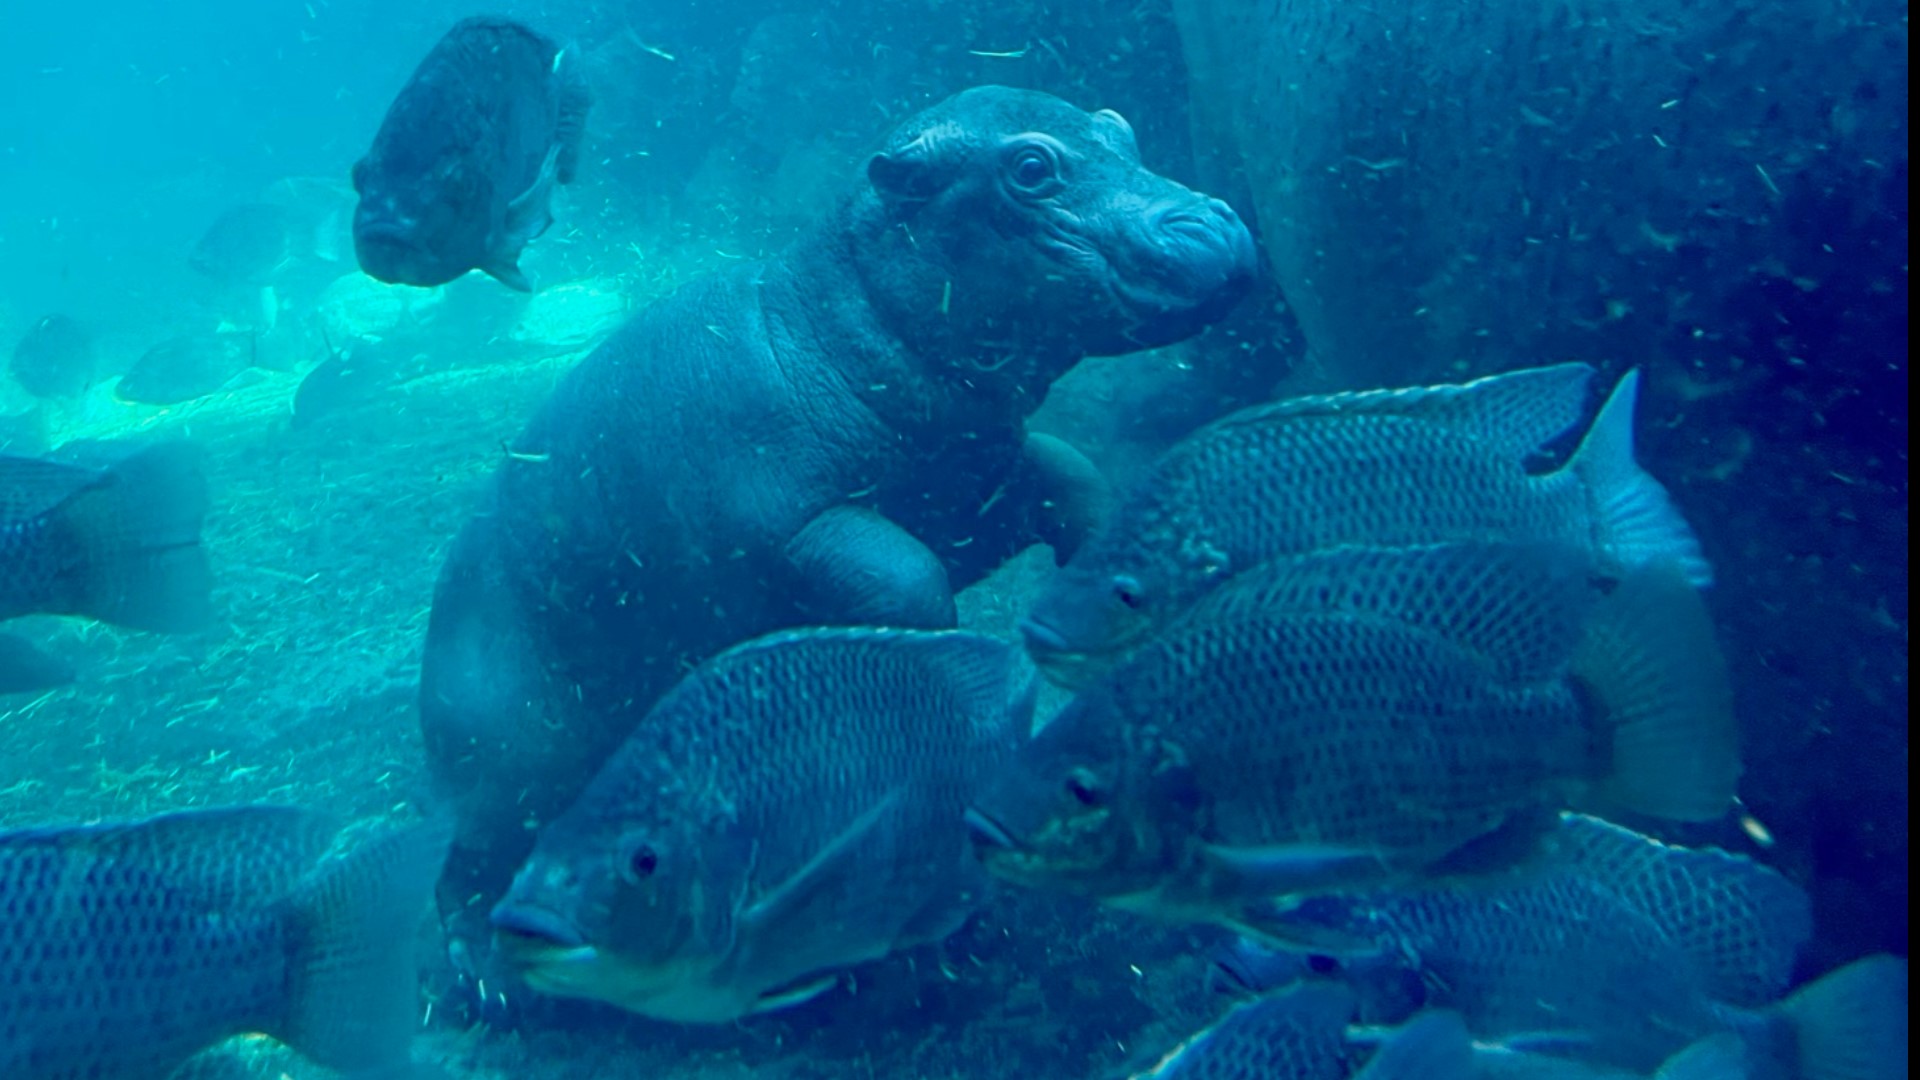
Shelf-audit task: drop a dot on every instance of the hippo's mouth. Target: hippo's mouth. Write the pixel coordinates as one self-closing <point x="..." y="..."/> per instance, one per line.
<point x="1167" y="280"/>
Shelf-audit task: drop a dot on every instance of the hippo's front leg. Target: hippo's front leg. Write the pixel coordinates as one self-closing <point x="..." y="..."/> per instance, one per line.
<point x="1066" y="496"/>
<point x="853" y="566"/>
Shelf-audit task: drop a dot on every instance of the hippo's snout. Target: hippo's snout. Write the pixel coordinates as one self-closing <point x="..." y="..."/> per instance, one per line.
<point x="1206" y="252"/>
<point x="1187" y="263"/>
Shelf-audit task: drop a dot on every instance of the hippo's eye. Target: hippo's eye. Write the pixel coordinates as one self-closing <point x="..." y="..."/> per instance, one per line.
<point x="1084" y="788"/>
<point x="1033" y="169"/>
<point x="642" y="861"/>
<point x="1127" y="590"/>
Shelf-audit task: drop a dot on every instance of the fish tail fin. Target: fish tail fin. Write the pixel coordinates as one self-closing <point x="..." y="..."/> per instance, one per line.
<point x="1431" y="1046"/>
<point x="1851" y="1024"/>
<point x="1636" y="522"/>
<point x="1665" y="706"/>
<point x="137" y="539"/>
<point x="1716" y="1057"/>
<point x="353" y="987"/>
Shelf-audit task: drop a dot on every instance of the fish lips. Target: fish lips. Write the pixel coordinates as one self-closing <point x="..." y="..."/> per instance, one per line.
<point x="1064" y="664"/>
<point x="387" y="251"/>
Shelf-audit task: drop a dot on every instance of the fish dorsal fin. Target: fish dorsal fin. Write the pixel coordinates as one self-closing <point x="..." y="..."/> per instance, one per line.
<point x="1742" y="922"/>
<point x="1516" y="413"/>
<point x="30" y="487"/>
<point x="227" y="858"/>
<point x="1518" y="607"/>
<point x="821" y="887"/>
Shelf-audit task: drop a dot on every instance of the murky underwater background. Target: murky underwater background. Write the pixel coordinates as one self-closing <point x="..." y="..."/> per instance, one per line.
<point x="1715" y="194"/>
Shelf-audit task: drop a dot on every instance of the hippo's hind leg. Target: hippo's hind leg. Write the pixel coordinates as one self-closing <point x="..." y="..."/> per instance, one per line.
<point x="852" y="566"/>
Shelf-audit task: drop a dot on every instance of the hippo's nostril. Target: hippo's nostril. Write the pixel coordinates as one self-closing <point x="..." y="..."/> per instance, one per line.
<point x="535" y="926"/>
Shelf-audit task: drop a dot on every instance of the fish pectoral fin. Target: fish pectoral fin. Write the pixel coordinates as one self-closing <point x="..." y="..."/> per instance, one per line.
<point x="507" y="272"/>
<point x="799" y="993"/>
<point x="823" y="887"/>
<point x="1285" y="869"/>
<point x="1549" y="1043"/>
<point x="531" y="213"/>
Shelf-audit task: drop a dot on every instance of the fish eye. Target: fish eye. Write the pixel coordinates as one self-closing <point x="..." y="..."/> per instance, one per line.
<point x="1322" y="964"/>
<point x="642" y="861"/>
<point x="1083" y="787"/>
<point x="1033" y="169"/>
<point x="1127" y="590"/>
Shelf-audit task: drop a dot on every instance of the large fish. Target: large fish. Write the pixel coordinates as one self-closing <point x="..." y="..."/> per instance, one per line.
<point x="120" y="544"/>
<point x="1737" y="924"/>
<point x="54" y="358"/>
<point x="187" y="367"/>
<point x="1716" y="1057"/>
<point x="1386" y="468"/>
<point x="1302" y="1034"/>
<point x="1609" y="947"/>
<point x="126" y="949"/>
<point x="1361" y="716"/>
<point x="791" y="808"/>
<point x="462" y="171"/>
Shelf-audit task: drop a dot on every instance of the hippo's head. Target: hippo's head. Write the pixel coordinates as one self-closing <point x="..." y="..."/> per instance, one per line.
<point x="1012" y="224"/>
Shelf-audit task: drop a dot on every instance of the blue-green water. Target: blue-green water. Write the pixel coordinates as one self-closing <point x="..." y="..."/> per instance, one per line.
<point x="1715" y="196"/>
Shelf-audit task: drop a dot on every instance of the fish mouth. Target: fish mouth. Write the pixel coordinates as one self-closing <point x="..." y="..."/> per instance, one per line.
<point x="1065" y="666"/>
<point x="532" y="936"/>
<point x="988" y="835"/>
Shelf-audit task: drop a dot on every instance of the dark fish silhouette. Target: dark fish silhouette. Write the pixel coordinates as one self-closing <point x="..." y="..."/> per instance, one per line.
<point x="128" y="948"/>
<point x="187" y="367"/>
<point x="462" y="170"/>
<point x="120" y="544"/>
<point x="54" y="359"/>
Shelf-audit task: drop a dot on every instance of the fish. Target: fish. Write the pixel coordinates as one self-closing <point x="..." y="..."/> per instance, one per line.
<point x="247" y="244"/>
<point x="352" y="375"/>
<point x="792" y="808"/>
<point x="1315" y="725"/>
<point x="461" y="173"/>
<point x="1609" y="948"/>
<point x="54" y="358"/>
<point x="130" y="947"/>
<point x="1716" y="1057"/>
<point x="1302" y="1034"/>
<point x="119" y="543"/>
<point x="1383" y="468"/>
<point x="1738" y="923"/>
<point x="187" y="367"/>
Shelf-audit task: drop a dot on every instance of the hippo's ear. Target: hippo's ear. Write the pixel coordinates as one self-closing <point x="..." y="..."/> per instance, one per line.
<point x="909" y="174"/>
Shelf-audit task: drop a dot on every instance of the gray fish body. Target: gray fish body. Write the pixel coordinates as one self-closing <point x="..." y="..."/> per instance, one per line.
<point x="54" y="358"/>
<point x="1358" y="716"/>
<point x="186" y="367"/>
<point x="245" y="244"/>
<point x="1349" y="747"/>
<point x="1302" y="1034"/>
<point x="460" y="174"/>
<point x="1620" y="948"/>
<point x="128" y="948"/>
<point x="1385" y="469"/>
<point x="792" y="808"/>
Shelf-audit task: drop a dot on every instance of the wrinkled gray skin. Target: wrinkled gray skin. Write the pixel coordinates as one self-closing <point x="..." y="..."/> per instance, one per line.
<point x="835" y="435"/>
